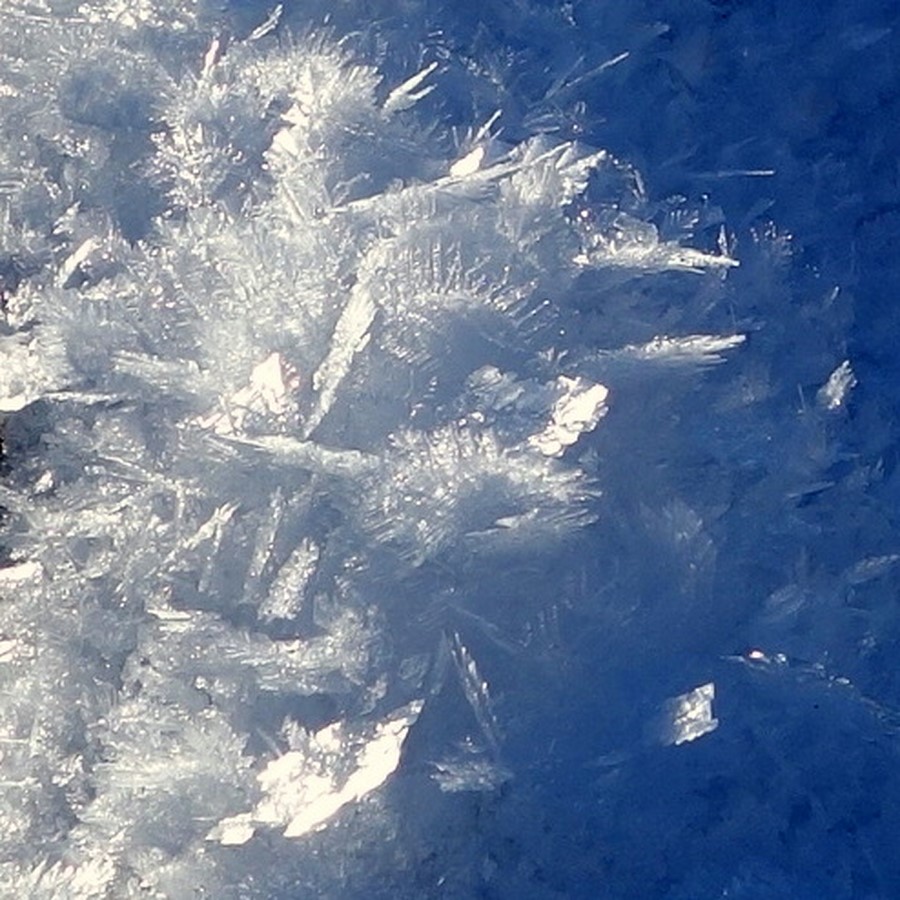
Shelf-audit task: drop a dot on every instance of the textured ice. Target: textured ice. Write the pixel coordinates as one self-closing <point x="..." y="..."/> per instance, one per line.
<point x="398" y="402"/>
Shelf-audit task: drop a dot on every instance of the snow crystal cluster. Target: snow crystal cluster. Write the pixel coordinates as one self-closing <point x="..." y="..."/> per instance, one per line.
<point x="401" y="497"/>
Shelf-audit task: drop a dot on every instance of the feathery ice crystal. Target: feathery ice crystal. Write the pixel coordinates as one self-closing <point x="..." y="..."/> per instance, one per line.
<point x="283" y="363"/>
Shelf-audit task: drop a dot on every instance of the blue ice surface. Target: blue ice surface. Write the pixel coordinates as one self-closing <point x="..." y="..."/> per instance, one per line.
<point x="796" y="794"/>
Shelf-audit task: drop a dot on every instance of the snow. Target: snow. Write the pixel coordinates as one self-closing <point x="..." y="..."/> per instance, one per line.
<point x="448" y="450"/>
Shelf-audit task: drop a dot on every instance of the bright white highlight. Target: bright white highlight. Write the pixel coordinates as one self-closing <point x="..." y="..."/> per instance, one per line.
<point x="689" y="716"/>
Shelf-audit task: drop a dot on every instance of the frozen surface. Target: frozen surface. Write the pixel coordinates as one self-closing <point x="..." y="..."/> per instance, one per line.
<point x="449" y="450"/>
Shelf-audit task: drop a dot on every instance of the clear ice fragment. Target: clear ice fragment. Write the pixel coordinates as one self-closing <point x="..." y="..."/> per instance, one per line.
<point x="689" y="716"/>
<point x="833" y="394"/>
<point x="577" y="410"/>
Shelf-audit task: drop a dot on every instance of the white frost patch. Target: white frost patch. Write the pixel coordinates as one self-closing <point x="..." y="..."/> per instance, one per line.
<point x="577" y="410"/>
<point x="833" y="394"/>
<point x="301" y="788"/>
<point x="270" y="391"/>
<point x="689" y="716"/>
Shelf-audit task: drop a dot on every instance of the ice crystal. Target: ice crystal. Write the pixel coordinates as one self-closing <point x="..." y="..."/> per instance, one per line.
<point x="367" y="455"/>
<point x="578" y="410"/>
<point x="302" y="789"/>
<point x="689" y="716"/>
<point x="833" y="394"/>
